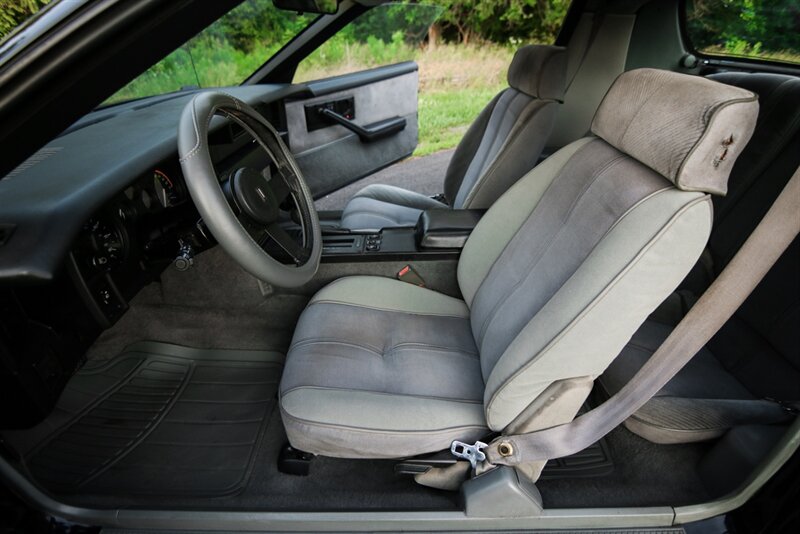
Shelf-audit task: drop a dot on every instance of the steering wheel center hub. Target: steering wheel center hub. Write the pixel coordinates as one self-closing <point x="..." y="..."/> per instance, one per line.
<point x="254" y="196"/>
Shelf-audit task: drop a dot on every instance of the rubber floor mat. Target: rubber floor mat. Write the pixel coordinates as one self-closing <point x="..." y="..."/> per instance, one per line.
<point x="593" y="461"/>
<point x="158" y="420"/>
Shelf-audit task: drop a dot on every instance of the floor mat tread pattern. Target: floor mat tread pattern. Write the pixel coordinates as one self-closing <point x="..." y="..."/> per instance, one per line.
<point x="169" y="420"/>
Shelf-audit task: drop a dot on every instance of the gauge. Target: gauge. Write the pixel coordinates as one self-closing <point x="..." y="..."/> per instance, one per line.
<point x="166" y="190"/>
<point x="147" y="200"/>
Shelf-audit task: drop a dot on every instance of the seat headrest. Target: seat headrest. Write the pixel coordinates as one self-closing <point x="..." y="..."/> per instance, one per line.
<point x="539" y="71"/>
<point x="687" y="128"/>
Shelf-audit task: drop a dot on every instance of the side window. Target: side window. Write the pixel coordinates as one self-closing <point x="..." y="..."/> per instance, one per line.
<point x="384" y="35"/>
<point x="463" y="51"/>
<point x="754" y="29"/>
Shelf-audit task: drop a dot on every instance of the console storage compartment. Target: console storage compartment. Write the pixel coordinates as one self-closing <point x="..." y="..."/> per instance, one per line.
<point x="440" y="228"/>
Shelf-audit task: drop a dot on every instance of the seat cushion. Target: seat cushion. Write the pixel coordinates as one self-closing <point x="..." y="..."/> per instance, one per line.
<point x="381" y="206"/>
<point x="382" y="369"/>
<point x="701" y="402"/>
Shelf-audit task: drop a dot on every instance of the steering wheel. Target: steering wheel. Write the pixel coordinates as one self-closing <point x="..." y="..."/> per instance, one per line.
<point x="243" y="211"/>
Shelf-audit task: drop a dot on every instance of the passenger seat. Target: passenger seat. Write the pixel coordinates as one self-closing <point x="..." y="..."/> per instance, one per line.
<point x="503" y="143"/>
<point x="749" y="373"/>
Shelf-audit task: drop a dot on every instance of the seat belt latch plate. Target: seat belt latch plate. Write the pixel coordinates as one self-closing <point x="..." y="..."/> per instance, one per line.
<point x="473" y="453"/>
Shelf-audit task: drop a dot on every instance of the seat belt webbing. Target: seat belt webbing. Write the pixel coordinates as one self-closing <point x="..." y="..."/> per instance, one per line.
<point x="723" y="297"/>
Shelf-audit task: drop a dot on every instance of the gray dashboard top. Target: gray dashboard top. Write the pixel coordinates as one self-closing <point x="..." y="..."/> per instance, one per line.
<point x="48" y="198"/>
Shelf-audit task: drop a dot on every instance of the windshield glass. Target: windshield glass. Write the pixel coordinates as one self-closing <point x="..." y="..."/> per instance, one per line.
<point x="223" y="54"/>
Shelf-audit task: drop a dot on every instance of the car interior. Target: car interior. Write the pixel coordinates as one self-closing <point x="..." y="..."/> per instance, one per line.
<point x="181" y="329"/>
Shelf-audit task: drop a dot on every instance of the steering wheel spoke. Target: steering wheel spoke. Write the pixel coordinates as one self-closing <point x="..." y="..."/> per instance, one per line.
<point x="282" y="238"/>
<point x="280" y="188"/>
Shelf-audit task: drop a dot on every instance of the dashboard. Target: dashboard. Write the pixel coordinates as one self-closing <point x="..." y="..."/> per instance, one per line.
<point x="109" y="202"/>
<point x="133" y="237"/>
<point x="101" y="210"/>
<point x="87" y="222"/>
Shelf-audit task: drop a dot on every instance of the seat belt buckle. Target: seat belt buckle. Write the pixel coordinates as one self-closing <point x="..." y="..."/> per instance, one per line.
<point x="409" y="275"/>
<point x="472" y="453"/>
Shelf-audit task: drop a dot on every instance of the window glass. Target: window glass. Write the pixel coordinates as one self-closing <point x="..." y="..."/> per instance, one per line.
<point x="463" y="49"/>
<point x="223" y="54"/>
<point x="761" y="29"/>
<point x="386" y="34"/>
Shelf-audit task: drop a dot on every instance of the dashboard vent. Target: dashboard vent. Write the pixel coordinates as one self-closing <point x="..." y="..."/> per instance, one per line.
<point x="5" y="233"/>
<point x="34" y="160"/>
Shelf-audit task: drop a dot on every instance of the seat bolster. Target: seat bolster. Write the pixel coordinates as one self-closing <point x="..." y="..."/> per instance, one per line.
<point x="669" y="420"/>
<point x="379" y="206"/>
<point x="365" y="424"/>
<point x="390" y="295"/>
<point x="630" y="271"/>
<point x="700" y="403"/>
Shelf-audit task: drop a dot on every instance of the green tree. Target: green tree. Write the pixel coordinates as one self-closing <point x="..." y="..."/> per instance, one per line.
<point x="745" y="27"/>
<point x="15" y="12"/>
<point x="258" y="22"/>
<point x="502" y="20"/>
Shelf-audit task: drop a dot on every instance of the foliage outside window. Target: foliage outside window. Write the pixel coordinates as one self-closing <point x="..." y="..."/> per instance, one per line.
<point x="384" y="35"/>
<point x="15" y="12"/>
<point x="761" y="29"/>
<point x="223" y="54"/>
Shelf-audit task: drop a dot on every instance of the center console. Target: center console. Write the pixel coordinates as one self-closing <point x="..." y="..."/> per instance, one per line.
<point x="440" y="233"/>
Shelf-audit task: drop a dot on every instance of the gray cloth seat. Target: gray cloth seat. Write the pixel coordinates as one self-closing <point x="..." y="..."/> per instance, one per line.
<point x="382" y="206"/>
<point x="756" y="355"/>
<point x="555" y="279"/>
<point x="404" y="353"/>
<point x="503" y="143"/>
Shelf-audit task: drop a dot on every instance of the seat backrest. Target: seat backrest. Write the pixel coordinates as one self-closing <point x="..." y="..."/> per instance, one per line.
<point x="507" y="138"/>
<point x="565" y="266"/>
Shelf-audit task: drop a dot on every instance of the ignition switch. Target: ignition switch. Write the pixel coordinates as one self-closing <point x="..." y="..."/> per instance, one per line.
<point x="185" y="258"/>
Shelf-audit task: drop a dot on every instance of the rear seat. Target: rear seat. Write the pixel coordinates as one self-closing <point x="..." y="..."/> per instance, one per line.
<point x="755" y="357"/>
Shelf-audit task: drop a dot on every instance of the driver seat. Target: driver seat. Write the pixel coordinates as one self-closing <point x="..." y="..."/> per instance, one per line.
<point x="556" y="278"/>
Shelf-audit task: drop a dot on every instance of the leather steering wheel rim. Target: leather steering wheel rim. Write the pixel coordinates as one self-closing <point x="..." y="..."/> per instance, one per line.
<point x="215" y="207"/>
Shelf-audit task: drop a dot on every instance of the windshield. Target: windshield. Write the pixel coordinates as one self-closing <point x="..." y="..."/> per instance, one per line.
<point x="223" y="54"/>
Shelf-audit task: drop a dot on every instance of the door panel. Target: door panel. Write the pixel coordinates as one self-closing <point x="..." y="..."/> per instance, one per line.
<point x="331" y="155"/>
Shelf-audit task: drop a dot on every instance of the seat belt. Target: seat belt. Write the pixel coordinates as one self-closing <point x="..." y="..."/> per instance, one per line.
<point x="766" y="244"/>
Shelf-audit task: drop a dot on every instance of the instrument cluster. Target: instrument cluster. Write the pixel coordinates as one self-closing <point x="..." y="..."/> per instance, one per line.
<point x="161" y="188"/>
